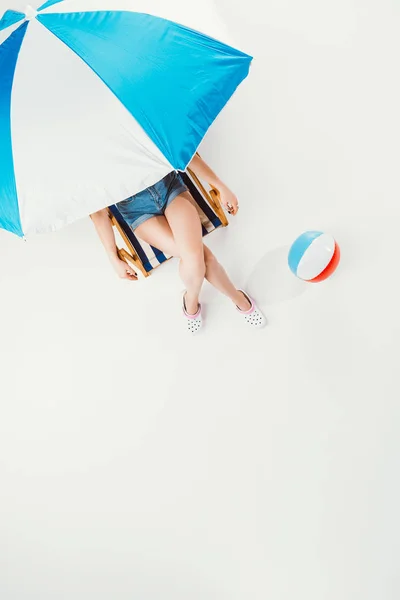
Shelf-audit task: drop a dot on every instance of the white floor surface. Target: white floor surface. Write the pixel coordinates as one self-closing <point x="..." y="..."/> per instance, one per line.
<point x="138" y="464"/>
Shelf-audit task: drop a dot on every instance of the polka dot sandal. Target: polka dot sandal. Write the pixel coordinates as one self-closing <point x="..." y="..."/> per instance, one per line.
<point x="193" y="322"/>
<point x="253" y="316"/>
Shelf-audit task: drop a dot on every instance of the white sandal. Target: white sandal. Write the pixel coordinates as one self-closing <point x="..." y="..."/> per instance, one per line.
<point x="253" y="316"/>
<point x="193" y="322"/>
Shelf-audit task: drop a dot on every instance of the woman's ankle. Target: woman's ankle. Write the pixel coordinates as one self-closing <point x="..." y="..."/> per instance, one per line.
<point x="191" y="304"/>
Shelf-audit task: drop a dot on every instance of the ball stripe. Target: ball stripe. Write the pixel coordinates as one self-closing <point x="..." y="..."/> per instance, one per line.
<point x="327" y="272"/>
<point x="316" y="258"/>
<point x="299" y="247"/>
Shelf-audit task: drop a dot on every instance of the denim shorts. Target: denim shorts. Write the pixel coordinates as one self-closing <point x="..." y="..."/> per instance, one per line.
<point x="153" y="201"/>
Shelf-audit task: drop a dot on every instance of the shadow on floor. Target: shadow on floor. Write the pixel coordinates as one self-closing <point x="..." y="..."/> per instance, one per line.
<point x="271" y="280"/>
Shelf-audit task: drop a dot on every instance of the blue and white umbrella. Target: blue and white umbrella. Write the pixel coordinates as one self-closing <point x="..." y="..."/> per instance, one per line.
<point x="101" y="98"/>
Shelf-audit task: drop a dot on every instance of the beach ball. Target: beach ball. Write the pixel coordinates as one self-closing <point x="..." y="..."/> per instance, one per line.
<point x="314" y="256"/>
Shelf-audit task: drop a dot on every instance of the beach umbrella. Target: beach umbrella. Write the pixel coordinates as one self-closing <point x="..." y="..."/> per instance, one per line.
<point x="101" y="99"/>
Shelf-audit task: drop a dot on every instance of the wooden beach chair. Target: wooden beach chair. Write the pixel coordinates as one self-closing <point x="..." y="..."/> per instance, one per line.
<point x="146" y="258"/>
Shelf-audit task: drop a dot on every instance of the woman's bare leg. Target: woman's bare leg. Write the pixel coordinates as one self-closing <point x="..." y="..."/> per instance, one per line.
<point x="217" y="276"/>
<point x="181" y="237"/>
<point x="186" y="229"/>
<point x="158" y="233"/>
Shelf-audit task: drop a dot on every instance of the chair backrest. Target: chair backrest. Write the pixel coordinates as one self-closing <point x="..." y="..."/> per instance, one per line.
<point x="146" y="257"/>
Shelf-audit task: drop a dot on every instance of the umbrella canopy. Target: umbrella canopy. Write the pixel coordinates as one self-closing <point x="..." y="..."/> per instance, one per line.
<point x="101" y="99"/>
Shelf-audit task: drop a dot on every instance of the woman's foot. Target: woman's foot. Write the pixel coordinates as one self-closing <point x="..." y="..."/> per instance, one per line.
<point x="242" y="301"/>
<point x="250" y="312"/>
<point x="194" y="321"/>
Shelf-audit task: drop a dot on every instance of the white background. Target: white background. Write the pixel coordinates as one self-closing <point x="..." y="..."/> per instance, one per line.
<point x="139" y="464"/>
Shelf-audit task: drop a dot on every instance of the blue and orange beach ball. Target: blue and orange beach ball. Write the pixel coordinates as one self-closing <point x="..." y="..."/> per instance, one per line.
<point x="314" y="256"/>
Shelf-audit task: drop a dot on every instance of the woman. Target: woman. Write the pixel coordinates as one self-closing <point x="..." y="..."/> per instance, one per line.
<point x="164" y="217"/>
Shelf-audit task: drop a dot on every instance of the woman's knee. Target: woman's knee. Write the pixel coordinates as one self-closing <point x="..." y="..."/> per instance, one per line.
<point x="194" y="262"/>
